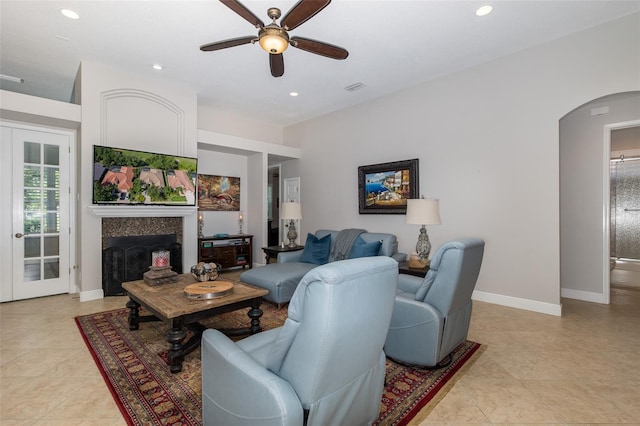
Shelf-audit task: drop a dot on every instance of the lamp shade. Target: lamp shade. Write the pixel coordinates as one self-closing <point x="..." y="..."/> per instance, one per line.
<point x="291" y="210"/>
<point x="423" y="211"/>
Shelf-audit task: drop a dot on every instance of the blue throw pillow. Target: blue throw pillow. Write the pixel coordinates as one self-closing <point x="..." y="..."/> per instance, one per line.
<point x="316" y="250"/>
<point x="362" y="249"/>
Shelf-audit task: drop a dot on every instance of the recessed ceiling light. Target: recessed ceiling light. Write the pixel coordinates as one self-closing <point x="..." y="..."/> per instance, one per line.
<point x="157" y="66"/>
<point x="293" y="94"/>
<point x="70" y="14"/>
<point x="484" y="10"/>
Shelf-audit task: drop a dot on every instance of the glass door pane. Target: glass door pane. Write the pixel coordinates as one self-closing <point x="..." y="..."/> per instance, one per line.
<point x="41" y="207"/>
<point x="625" y="208"/>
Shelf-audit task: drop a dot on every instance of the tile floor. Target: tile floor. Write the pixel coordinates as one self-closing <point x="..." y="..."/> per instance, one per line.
<point x="583" y="368"/>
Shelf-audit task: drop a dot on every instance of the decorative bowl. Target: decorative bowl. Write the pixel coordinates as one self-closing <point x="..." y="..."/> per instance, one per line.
<point x="205" y="271"/>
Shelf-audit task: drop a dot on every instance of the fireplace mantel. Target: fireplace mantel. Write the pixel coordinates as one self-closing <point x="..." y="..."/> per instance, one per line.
<point x="141" y="211"/>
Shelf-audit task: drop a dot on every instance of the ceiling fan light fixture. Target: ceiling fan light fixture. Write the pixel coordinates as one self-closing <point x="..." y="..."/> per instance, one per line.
<point x="273" y="39"/>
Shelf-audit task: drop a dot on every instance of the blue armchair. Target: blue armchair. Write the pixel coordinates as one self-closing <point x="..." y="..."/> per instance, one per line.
<point x="431" y="316"/>
<point x="324" y="366"/>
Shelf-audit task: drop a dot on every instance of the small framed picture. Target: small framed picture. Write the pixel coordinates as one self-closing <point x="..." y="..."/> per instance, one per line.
<point x="385" y="188"/>
<point x="218" y="193"/>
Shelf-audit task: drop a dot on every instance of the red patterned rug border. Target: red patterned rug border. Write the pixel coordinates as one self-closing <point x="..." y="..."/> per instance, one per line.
<point x="114" y="394"/>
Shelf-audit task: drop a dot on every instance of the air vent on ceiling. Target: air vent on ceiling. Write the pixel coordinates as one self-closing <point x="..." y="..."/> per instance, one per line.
<point x="355" y="86"/>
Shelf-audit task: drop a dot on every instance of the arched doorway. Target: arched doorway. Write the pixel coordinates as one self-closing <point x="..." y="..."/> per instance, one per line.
<point x="584" y="193"/>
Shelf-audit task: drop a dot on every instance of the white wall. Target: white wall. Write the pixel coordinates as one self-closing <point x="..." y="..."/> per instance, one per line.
<point x="252" y="155"/>
<point x="487" y="140"/>
<point x="222" y="164"/>
<point x="221" y="121"/>
<point x="583" y="176"/>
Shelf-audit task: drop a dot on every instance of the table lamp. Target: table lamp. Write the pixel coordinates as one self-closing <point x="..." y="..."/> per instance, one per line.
<point x="423" y="211"/>
<point x="291" y="211"/>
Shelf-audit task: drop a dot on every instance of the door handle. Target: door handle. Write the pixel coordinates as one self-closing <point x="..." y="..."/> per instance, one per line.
<point x="19" y="235"/>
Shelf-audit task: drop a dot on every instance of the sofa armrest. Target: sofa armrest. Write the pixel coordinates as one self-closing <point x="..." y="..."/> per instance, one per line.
<point x="399" y="257"/>
<point x="410" y="319"/>
<point x="409" y="283"/>
<point x="238" y="390"/>
<point x="290" y="256"/>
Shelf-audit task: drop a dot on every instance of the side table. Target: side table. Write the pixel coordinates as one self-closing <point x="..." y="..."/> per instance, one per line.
<point x="404" y="268"/>
<point x="272" y="251"/>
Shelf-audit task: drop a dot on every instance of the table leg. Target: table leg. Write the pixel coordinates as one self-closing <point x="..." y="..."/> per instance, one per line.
<point x="134" y="314"/>
<point x="176" y="351"/>
<point x="255" y="313"/>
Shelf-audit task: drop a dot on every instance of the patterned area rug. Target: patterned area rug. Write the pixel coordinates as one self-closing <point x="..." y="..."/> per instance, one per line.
<point x="133" y="363"/>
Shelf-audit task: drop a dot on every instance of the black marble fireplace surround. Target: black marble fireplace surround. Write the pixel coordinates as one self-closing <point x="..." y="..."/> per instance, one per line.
<point x="127" y="258"/>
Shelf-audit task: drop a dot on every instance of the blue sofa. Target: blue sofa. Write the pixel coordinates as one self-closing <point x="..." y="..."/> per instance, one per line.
<point x="282" y="278"/>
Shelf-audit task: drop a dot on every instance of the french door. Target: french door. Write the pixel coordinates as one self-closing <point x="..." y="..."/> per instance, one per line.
<point x="40" y="211"/>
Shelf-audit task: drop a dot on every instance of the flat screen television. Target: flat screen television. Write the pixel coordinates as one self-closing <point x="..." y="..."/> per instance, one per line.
<point x="126" y="177"/>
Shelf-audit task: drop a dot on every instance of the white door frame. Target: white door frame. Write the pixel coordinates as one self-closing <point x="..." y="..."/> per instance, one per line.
<point x="275" y="202"/>
<point x="290" y="192"/>
<point x="606" y="205"/>
<point x="7" y="261"/>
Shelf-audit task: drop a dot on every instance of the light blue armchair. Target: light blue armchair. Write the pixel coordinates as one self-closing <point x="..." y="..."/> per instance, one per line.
<point x="324" y="366"/>
<point x="431" y="315"/>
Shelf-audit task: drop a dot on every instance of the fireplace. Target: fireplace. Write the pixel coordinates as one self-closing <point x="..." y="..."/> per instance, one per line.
<point x="128" y="244"/>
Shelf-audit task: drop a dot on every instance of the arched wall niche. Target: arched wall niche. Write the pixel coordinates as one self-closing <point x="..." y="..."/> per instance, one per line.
<point x="142" y="120"/>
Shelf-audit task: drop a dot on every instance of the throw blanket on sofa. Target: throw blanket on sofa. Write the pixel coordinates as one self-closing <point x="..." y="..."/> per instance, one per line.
<point x="344" y="242"/>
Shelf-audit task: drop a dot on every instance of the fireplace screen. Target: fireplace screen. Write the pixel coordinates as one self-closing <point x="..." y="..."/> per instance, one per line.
<point x="128" y="258"/>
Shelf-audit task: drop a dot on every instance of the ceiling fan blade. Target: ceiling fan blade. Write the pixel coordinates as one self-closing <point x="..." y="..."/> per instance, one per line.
<point x="319" y="48"/>
<point x="232" y="42"/>
<point x="302" y="12"/>
<point x="276" y="62"/>
<point x="241" y="10"/>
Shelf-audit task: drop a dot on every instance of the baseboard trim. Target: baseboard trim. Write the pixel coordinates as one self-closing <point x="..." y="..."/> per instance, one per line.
<point x="586" y="296"/>
<point x="86" y="296"/>
<point x="515" y="302"/>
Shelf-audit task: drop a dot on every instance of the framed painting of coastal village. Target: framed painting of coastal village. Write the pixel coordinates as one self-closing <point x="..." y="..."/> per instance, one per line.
<point x="385" y="188"/>
<point x="218" y="193"/>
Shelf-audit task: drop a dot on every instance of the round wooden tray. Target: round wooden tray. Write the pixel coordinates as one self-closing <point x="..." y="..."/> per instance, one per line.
<point x="208" y="290"/>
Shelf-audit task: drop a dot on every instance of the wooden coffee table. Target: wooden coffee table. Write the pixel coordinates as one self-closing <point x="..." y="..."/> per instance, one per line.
<point x="167" y="303"/>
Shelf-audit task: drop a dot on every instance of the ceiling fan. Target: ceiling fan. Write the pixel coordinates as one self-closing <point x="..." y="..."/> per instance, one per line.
<point x="274" y="39"/>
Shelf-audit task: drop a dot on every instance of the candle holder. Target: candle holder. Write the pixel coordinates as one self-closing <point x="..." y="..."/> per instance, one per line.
<point x="160" y="270"/>
<point x="160" y="259"/>
<point x="240" y="222"/>
<point x="200" y="225"/>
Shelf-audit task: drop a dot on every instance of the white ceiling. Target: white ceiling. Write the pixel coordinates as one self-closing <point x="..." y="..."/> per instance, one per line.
<point x="392" y="44"/>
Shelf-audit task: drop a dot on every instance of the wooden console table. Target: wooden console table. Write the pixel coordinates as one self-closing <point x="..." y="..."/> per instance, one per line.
<point x="229" y="251"/>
